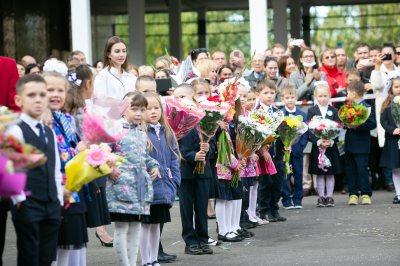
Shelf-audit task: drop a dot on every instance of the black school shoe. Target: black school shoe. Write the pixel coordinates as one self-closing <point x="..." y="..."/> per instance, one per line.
<point x="225" y="238"/>
<point x="245" y="234"/>
<point x="206" y="248"/>
<point x="246" y="225"/>
<point x="193" y="249"/>
<point x="269" y="217"/>
<point x="164" y="257"/>
<point x="278" y="217"/>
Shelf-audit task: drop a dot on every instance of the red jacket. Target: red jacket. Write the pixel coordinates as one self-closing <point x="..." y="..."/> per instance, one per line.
<point x="335" y="77"/>
<point x="8" y="79"/>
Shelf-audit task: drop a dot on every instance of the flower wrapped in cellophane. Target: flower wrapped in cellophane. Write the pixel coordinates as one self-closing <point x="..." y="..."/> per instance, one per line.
<point x="396" y="112"/>
<point x="99" y="127"/>
<point x="324" y="129"/>
<point x="272" y="120"/>
<point x="114" y="107"/>
<point x="23" y="156"/>
<point x="182" y="115"/>
<point x="353" y="114"/>
<point x="251" y="133"/>
<point x="91" y="164"/>
<point x="11" y="183"/>
<point x="290" y="131"/>
<point x="215" y="110"/>
<point x="7" y="118"/>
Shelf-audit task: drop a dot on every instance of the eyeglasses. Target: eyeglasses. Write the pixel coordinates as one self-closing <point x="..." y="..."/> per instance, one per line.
<point x="329" y="57"/>
<point x="271" y="58"/>
<point x="308" y="57"/>
<point x="199" y="50"/>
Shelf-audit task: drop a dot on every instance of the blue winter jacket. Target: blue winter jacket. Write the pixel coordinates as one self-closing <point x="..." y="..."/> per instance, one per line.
<point x="166" y="186"/>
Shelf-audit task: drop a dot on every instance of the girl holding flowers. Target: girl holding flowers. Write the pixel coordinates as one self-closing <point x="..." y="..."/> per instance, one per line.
<point x="129" y="188"/>
<point x="390" y="121"/>
<point x="322" y="95"/>
<point x="72" y="235"/>
<point x="163" y="147"/>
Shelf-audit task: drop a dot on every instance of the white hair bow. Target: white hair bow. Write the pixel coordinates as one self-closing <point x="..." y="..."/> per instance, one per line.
<point x="72" y="78"/>
<point x="391" y="75"/>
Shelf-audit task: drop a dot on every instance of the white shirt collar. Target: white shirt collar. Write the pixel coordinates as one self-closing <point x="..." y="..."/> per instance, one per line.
<point x="156" y="127"/>
<point x="30" y="121"/>
<point x="360" y="101"/>
<point x="265" y="106"/>
<point x="291" y="111"/>
<point x="114" y="71"/>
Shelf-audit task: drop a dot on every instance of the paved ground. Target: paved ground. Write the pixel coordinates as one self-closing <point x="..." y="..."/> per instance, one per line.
<point x="343" y="235"/>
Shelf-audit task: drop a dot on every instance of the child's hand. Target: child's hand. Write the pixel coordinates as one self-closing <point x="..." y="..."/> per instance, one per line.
<point x="115" y="174"/>
<point x="396" y="131"/>
<point x="239" y="168"/>
<point x="243" y="162"/>
<point x="223" y="125"/>
<point x="200" y="156"/>
<point x="263" y="149"/>
<point x="154" y="173"/>
<point x="256" y="158"/>
<point x="289" y="149"/>
<point x="267" y="157"/>
<point x="81" y="146"/>
<point x="67" y="194"/>
<point x="204" y="147"/>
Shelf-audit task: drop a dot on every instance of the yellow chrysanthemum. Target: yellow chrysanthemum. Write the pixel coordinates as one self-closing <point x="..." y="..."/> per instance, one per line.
<point x="351" y="111"/>
<point x="104" y="168"/>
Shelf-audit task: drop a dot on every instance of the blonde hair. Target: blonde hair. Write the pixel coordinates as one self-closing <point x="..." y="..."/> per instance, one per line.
<point x="52" y="74"/>
<point x="200" y="81"/>
<point x="163" y="121"/>
<point x="204" y="66"/>
<point x="388" y="101"/>
<point x="146" y="69"/>
<point x="322" y="87"/>
<point x="328" y="50"/>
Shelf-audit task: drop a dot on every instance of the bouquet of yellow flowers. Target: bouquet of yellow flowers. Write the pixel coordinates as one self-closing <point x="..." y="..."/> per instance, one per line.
<point x="290" y="131"/>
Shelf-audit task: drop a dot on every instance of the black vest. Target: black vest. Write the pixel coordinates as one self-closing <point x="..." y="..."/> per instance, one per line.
<point x="40" y="179"/>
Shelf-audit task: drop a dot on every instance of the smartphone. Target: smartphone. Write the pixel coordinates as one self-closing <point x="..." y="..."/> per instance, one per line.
<point x="236" y="53"/>
<point x="367" y="62"/>
<point x="163" y="85"/>
<point x="388" y="44"/>
<point x="296" y="42"/>
<point x="388" y="57"/>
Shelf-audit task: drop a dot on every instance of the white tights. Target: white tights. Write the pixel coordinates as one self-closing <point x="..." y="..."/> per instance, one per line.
<point x="236" y="211"/>
<point x="149" y="241"/>
<point x="71" y="257"/>
<point x="251" y="211"/>
<point x="126" y="240"/>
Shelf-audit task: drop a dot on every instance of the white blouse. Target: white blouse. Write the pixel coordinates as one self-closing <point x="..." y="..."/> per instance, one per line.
<point x="323" y="109"/>
<point x="108" y="83"/>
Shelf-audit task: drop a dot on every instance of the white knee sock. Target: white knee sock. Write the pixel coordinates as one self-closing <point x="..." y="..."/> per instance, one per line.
<point x="77" y="257"/>
<point x="238" y="214"/>
<point x="229" y="216"/>
<point x="396" y="180"/>
<point x="144" y="243"/>
<point x="251" y="211"/>
<point x="220" y="212"/>
<point x="236" y="208"/>
<point x="154" y="239"/>
<point x="120" y="243"/>
<point x="133" y="242"/>
<point x="62" y="258"/>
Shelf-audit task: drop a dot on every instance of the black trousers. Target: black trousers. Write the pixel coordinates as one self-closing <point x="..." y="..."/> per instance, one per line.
<point x="193" y="197"/>
<point x="36" y="224"/>
<point x="3" y="222"/>
<point x="269" y="189"/>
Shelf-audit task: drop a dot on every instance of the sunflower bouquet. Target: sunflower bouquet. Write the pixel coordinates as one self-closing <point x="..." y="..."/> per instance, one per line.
<point x="353" y="114"/>
<point x="290" y="131"/>
<point x="91" y="164"/>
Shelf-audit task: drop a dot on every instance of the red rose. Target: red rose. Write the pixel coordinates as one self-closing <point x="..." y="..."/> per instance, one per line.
<point x="213" y="99"/>
<point x="18" y="148"/>
<point x="348" y="104"/>
<point x="175" y="62"/>
<point x="358" y="113"/>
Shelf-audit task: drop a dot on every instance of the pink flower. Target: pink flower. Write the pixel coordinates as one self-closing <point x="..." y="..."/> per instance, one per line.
<point x="123" y="154"/>
<point x="96" y="156"/>
<point x="117" y="147"/>
<point x="112" y="158"/>
<point x="125" y="189"/>
<point x="105" y="147"/>
<point x="94" y="146"/>
<point x="60" y="138"/>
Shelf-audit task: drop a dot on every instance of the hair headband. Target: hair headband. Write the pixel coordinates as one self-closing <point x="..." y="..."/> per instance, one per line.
<point x="391" y="75"/>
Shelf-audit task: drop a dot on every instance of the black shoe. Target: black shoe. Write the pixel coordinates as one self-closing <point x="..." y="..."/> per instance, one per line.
<point x="243" y="233"/>
<point x="269" y="217"/>
<point x="225" y="238"/>
<point x="391" y="188"/>
<point x="251" y="233"/>
<point x="194" y="249"/>
<point x="321" y="202"/>
<point x="211" y="217"/>
<point x="278" y="217"/>
<point x="206" y="248"/>
<point x="255" y="224"/>
<point x="246" y="225"/>
<point x="396" y="200"/>
<point x="164" y="257"/>
<point x="298" y="205"/>
<point x="154" y="263"/>
<point x="329" y="202"/>
<point x="109" y="244"/>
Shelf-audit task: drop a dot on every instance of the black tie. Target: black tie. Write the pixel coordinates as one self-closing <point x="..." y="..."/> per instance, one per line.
<point x="41" y="134"/>
<point x="290" y="113"/>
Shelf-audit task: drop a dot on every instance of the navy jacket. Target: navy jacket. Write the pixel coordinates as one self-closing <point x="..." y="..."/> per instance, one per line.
<point x="164" y="187"/>
<point x="297" y="149"/>
<point x="388" y="124"/>
<point x="315" y="111"/>
<point x="357" y="140"/>
<point x="189" y="146"/>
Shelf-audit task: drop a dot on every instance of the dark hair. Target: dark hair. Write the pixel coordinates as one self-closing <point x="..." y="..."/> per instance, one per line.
<point x="263" y="83"/>
<point x="391" y="46"/>
<point x="107" y="50"/>
<point x="137" y="99"/>
<point x="253" y="90"/>
<point x="29" y="67"/>
<point x="376" y="47"/>
<point x="282" y="63"/>
<point x="270" y="59"/>
<point x="21" y="63"/>
<point x="163" y="70"/>
<point x="97" y="62"/>
<point x="53" y="56"/>
<point x="357" y="87"/>
<point x="238" y="112"/>
<point x="195" y="53"/>
<point x="26" y="79"/>
<point x="74" y="95"/>
<point x="363" y="45"/>
<point x="300" y="66"/>
<point x="163" y="58"/>
<point x="352" y="71"/>
<point x="76" y="53"/>
<point x="222" y="67"/>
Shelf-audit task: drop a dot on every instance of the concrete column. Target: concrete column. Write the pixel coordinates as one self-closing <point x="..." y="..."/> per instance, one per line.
<point x="295" y="24"/>
<point x="306" y="24"/>
<point x="280" y="21"/>
<point x="81" y="28"/>
<point x="136" y="29"/>
<point x="258" y="25"/>
<point x="202" y="27"/>
<point x="175" y="28"/>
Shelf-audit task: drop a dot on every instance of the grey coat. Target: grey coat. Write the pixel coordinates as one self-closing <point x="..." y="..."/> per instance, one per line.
<point x="280" y="83"/>
<point x="304" y="92"/>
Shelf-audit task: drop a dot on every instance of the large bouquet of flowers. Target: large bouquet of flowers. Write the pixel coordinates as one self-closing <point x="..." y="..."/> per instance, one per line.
<point x="89" y="165"/>
<point x="215" y="110"/>
<point x="324" y="129"/>
<point x="353" y="114"/>
<point x="182" y="115"/>
<point x="11" y="183"/>
<point x="272" y="120"/>
<point x="112" y="106"/>
<point x="396" y="112"/>
<point x="290" y="131"/>
<point x="7" y="118"/>
<point x="23" y="156"/>
<point x="252" y="131"/>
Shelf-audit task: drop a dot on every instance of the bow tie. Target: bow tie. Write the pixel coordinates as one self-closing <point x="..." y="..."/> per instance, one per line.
<point x="290" y="113"/>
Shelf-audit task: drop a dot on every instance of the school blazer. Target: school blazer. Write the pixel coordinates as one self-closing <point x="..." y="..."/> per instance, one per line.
<point x="297" y="149"/>
<point x="357" y="140"/>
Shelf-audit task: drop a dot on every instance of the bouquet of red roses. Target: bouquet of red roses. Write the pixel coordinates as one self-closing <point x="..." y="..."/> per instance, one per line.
<point x="353" y="114"/>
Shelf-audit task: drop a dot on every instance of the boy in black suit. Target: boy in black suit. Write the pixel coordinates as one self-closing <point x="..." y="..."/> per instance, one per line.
<point x="36" y="217"/>
<point x="357" y="149"/>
